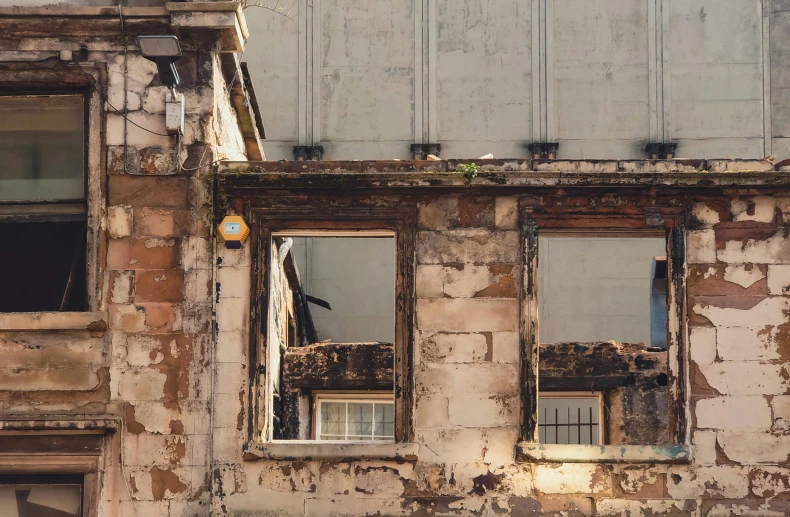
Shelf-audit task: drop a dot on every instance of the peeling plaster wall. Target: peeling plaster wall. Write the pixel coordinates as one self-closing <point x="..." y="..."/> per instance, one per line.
<point x="466" y="372"/>
<point x="147" y="361"/>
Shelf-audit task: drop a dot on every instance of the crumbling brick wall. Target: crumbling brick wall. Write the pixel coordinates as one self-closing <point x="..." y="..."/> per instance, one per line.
<point x="467" y="346"/>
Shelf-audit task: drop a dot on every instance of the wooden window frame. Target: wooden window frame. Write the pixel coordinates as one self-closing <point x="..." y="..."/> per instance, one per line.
<point x="266" y="222"/>
<point x="671" y="221"/>
<point x="345" y="397"/>
<point x="32" y="79"/>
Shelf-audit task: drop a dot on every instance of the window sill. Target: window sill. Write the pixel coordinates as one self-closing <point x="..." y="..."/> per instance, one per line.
<point x="526" y="451"/>
<point x="96" y="321"/>
<point x="308" y="450"/>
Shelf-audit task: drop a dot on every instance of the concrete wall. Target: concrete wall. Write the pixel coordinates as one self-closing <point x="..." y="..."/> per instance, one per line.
<point x="356" y="276"/>
<point x="596" y="288"/>
<point x="601" y="77"/>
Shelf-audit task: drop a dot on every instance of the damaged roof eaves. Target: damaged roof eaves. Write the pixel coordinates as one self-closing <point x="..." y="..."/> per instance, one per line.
<point x="504" y="173"/>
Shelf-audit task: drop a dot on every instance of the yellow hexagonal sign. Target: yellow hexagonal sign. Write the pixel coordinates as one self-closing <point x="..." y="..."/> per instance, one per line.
<point x="233" y="231"/>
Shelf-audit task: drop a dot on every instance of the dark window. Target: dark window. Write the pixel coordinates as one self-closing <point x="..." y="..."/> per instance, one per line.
<point x="41" y="496"/>
<point x="42" y="203"/>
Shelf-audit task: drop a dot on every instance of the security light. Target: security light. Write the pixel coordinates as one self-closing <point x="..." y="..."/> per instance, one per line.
<point x="164" y="51"/>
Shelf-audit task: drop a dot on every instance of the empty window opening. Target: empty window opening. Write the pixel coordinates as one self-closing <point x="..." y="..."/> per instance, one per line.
<point x="43" y="496"/>
<point x="602" y="311"/>
<point x="354" y="277"/>
<point x="332" y="327"/>
<point x="352" y="418"/>
<point x="43" y="203"/>
<point x="596" y="288"/>
<point x="571" y="418"/>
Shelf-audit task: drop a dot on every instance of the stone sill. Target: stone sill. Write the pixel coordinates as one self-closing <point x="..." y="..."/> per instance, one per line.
<point x="297" y="450"/>
<point x="94" y="321"/>
<point x="534" y="452"/>
<point x="68" y="424"/>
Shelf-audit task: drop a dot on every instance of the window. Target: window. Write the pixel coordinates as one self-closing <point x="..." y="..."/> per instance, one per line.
<point x="568" y="418"/>
<point x="41" y="496"/>
<point x="354" y="417"/>
<point x="335" y="301"/>
<point x="603" y="315"/>
<point x="43" y="208"/>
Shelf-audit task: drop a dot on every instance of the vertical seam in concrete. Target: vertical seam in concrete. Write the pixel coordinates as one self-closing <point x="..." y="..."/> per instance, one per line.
<point x="653" y="70"/>
<point x="542" y="74"/>
<point x="665" y="99"/>
<point x="549" y="66"/>
<point x="316" y="72"/>
<point x="766" y="64"/>
<point x="432" y="56"/>
<point x="419" y="70"/>
<point x="302" y="63"/>
<point x="536" y="90"/>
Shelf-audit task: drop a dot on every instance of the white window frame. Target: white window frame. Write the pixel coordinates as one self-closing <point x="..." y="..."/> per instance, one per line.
<point x="346" y="398"/>
<point x="598" y="395"/>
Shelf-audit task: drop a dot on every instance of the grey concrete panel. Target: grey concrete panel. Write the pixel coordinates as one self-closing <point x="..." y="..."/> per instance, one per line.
<point x="484" y="74"/>
<point x="367" y="73"/>
<point x="716" y="76"/>
<point x="720" y="147"/>
<point x="600" y="63"/>
<point x="272" y="54"/>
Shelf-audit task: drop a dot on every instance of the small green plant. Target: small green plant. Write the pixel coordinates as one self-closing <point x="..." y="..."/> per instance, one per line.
<point x="469" y="170"/>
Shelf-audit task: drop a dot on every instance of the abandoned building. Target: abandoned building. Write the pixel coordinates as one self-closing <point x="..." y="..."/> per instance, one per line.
<point x="252" y="264"/>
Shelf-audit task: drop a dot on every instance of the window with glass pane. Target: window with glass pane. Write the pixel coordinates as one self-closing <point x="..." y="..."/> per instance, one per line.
<point x="568" y="420"/>
<point x="43" y="208"/>
<point x="42" y="140"/>
<point x="355" y="420"/>
<point x="44" y="499"/>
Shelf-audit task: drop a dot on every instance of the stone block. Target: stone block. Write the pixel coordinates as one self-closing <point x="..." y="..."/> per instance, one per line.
<point x="159" y="285"/>
<point x="713" y="482"/>
<point x="160" y="222"/>
<point x="483" y="410"/>
<point x="779" y="279"/>
<point x="119" y="221"/>
<point x="138" y="384"/>
<point x="467" y="315"/>
<point x="122" y="286"/>
<point x="702" y="345"/>
<point x="438" y="214"/>
<point x="149" y="191"/>
<point x="132" y="254"/>
<point x="705" y="216"/>
<point x="701" y="247"/>
<point x="429" y="281"/>
<point x="455" y="348"/>
<point x="506" y="213"/>
<point x="772" y="250"/>
<point x="733" y="413"/>
<point x="483" y="378"/>
<point x="233" y="282"/>
<point x="468" y="246"/>
<point x="751" y="446"/>
<point x="572" y="478"/>
<point x="746" y="344"/>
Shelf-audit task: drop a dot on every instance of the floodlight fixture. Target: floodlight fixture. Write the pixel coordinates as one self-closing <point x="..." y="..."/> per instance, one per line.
<point x="163" y="50"/>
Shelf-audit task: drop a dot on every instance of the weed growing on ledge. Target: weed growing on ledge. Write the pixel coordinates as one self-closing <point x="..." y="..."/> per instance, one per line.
<point x="469" y="170"/>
